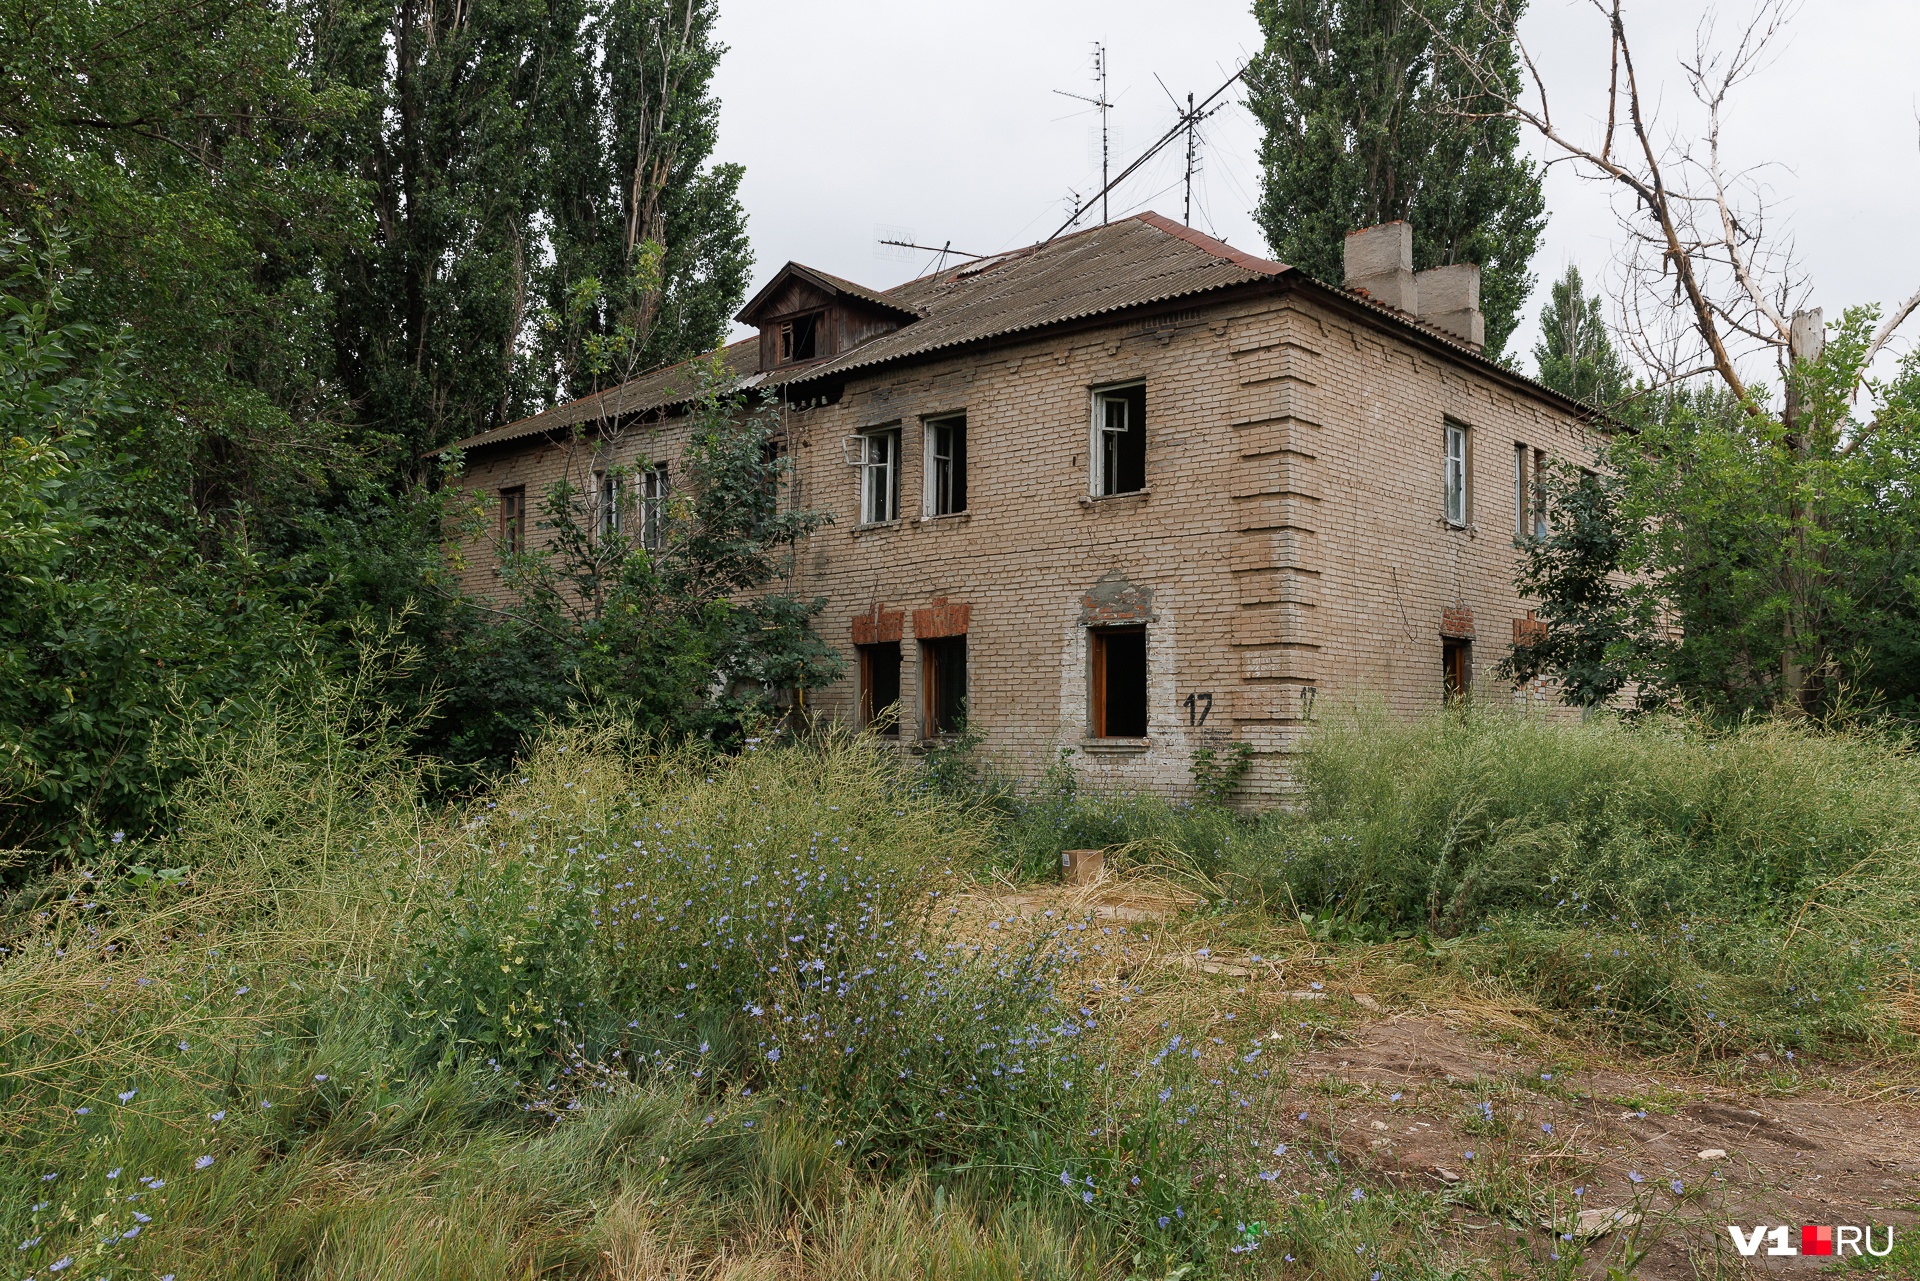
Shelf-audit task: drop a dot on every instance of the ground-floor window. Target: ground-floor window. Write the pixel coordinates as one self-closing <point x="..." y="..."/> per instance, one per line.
<point x="880" y="686"/>
<point x="1119" y="682"/>
<point x="943" y="684"/>
<point x="1456" y="668"/>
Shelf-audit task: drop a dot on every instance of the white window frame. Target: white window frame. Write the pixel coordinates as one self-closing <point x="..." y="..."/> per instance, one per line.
<point x="879" y="468"/>
<point x="606" y="503"/>
<point x="1455" y="502"/>
<point x="930" y="497"/>
<point x="1102" y="452"/>
<point x="654" y="489"/>
<point x="1537" y="508"/>
<point x="1521" y="457"/>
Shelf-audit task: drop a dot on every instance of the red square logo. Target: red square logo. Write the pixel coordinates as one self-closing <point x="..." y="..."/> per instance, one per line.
<point x="1816" y="1240"/>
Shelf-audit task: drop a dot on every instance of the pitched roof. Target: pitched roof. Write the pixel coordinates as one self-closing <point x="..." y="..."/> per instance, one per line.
<point x="831" y="283"/>
<point x="1141" y="260"/>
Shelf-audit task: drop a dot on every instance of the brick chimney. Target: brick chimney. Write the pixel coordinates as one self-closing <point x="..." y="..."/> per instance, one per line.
<point x="1379" y="263"/>
<point x="1449" y="299"/>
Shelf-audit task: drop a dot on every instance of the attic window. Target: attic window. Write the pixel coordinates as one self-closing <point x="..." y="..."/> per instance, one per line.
<point x="799" y="338"/>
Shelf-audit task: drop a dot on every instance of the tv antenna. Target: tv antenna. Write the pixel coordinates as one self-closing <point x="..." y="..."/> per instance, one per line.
<point x="1105" y="105"/>
<point x="945" y="251"/>
<point x="1191" y="119"/>
<point x="1188" y="119"/>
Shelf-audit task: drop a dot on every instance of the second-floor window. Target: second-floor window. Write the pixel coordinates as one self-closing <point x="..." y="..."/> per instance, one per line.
<point x="879" y="476"/>
<point x="946" y="468"/>
<point x="607" y="502"/>
<point x="513" y="519"/>
<point x="1454" y="475"/>
<point x="1120" y="440"/>
<point x="653" y="507"/>
<point x="1529" y="492"/>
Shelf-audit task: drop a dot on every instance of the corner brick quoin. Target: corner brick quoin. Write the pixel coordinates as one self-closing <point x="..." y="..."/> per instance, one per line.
<point x="1456" y="622"/>
<point x="941" y="619"/>
<point x="878" y="626"/>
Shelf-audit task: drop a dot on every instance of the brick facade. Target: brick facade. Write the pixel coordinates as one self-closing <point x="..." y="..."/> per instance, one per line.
<point x="1288" y="555"/>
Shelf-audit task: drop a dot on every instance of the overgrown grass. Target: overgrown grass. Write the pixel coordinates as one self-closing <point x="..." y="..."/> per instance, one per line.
<point x="1664" y="882"/>
<point x="640" y="1011"/>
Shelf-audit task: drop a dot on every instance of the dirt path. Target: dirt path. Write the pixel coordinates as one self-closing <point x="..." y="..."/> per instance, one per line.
<point x="1527" y="1135"/>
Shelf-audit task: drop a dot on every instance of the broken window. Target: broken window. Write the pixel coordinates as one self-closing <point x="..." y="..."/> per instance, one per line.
<point x="1120" y="440"/>
<point x="799" y="338"/>
<point x="880" y="687"/>
<point x="879" y="476"/>
<point x="1119" y="682"/>
<point x="653" y="507"/>
<point x="513" y="519"/>
<point x="1454" y="475"/>
<point x="1456" y="668"/>
<point x="946" y="468"/>
<point x="943" y="684"/>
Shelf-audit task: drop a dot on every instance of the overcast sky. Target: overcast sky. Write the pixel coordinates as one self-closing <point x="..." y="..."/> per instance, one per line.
<point x="858" y="119"/>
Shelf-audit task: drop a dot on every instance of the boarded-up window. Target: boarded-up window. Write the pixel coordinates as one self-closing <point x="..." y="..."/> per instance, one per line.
<point x="1119" y="694"/>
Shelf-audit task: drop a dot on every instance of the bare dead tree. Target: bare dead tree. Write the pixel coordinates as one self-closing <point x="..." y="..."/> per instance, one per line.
<point x="1706" y="287"/>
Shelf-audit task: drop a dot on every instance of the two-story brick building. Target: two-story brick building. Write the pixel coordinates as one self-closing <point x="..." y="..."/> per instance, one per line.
<point x="1128" y="493"/>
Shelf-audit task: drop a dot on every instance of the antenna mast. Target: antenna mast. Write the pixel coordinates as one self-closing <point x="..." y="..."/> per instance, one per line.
<point x="1105" y="105"/>
<point x="1187" y="216"/>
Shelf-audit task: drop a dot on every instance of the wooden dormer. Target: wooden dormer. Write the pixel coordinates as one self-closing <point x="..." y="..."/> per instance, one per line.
<point x="805" y="315"/>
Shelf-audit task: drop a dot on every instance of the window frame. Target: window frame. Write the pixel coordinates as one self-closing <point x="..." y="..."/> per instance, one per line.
<point x="1098" y="639"/>
<point x="606" y="503"/>
<point x="888" y="510"/>
<point x="1456" y="468"/>
<point x="1456" y="669"/>
<point x="933" y="502"/>
<point x="935" y="674"/>
<point x="1103" y="460"/>
<point x="655" y="488"/>
<point x="512" y="530"/>
<point x="784" y="338"/>
<point x="1522" y="526"/>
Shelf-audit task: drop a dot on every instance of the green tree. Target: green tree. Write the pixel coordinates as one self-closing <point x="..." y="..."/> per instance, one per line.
<point x="1364" y="124"/>
<point x="1726" y="544"/>
<point x="693" y="635"/>
<point x="1575" y="356"/>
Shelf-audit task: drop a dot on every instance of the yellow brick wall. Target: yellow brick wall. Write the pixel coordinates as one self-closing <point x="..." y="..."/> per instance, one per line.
<point x="1291" y="536"/>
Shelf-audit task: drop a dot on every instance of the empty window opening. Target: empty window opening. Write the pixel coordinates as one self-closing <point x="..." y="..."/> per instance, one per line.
<point x="1119" y="682"/>
<point x="513" y="519"/>
<point x="943" y="684"/>
<point x="799" y="338"/>
<point x="1456" y="668"/>
<point x="653" y="507"/>
<point x="946" y="465"/>
<point x="1120" y="440"/>
<point x="1454" y="476"/>
<point x="880" y="687"/>
<point x="879" y="476"/>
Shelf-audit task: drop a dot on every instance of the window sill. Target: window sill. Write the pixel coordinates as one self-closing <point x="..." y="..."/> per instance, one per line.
<point x="959" y="518"/>
<point x="1094" y="500"/>
<point x="873" y="527"/>
<point x="1115" y="746"/>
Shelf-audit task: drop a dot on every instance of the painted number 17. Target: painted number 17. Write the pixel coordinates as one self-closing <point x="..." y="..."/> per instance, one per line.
<point x="1198" y="706"/>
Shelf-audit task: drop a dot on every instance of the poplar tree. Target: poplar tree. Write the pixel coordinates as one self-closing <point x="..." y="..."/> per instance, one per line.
<point x="1574" y="355"/>
<point x="1365" y="123"/>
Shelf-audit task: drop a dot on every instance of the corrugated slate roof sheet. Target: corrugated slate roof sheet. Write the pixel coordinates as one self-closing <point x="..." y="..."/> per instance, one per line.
<point x="1136" y="261"/>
